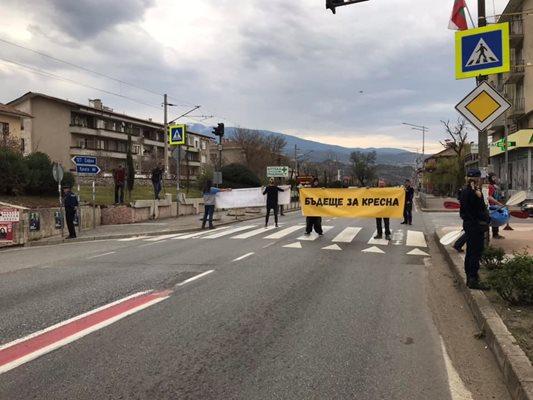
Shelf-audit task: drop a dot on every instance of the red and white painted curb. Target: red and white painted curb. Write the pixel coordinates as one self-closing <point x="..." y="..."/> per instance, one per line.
<point x="42" y="342"/>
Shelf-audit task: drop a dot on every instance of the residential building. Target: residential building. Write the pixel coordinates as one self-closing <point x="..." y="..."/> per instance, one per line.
<point x="514" y="168"/>
<point x="12" y="126"/>
<point x="439" y="173"/>
<point x="64" y="129"/>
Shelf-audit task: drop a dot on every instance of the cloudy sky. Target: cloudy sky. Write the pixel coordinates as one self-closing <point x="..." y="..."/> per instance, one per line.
<point x="289" y="66"/>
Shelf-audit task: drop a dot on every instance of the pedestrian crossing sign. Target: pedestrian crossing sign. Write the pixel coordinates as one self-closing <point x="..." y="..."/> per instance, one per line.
<point x="482" y="51"/>
<point x="176" y="134"/>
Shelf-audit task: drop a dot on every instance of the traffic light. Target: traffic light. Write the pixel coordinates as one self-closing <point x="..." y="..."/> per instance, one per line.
<point x="331" y="4"/>
<point x="219" y="130"/>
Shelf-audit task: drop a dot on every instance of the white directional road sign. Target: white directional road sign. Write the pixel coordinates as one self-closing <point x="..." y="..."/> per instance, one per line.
<point x="482" y="106"/>
<point x="277" y="172"/>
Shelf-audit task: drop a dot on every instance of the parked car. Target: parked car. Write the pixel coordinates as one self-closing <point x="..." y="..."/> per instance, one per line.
<point x="527" y="206"/>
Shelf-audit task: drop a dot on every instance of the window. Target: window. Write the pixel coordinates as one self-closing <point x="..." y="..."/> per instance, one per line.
<point x="4" y="128"/>
<point x="204" y="159"/>
<point x="196" y="143"/>
<point x="136" y="149"/>
<point x="204" y="145"/>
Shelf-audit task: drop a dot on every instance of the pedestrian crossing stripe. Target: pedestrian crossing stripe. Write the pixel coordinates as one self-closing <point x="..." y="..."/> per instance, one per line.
<point x="313" y="235"/>
<point x="481" y="55"/>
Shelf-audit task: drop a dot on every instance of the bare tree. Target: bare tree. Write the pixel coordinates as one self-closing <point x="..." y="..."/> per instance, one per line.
<point x="457" y="141"/>
<point x="363" y="167"/>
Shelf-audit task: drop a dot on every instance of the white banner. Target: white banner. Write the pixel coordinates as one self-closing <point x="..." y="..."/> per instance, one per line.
<point x="251" y="197"/>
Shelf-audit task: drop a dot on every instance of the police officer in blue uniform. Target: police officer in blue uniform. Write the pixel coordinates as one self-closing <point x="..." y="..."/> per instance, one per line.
<point x="71" y="202"/>
<point x="476" y="219"/>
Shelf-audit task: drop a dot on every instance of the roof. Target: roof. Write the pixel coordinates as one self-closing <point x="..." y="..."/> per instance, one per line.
<point x="31" y="95"/>
<point x="5" y="109"/>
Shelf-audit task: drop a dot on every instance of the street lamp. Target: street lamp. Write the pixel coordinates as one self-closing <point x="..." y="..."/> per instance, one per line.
<point x="419" y="128"/>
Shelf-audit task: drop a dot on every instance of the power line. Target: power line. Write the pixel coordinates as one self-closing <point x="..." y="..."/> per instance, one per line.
<point x="83" y="68"/>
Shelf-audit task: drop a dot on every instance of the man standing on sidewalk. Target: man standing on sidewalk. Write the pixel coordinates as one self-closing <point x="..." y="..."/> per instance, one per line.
<point x="119" y="177"/>
<point x="476" y="219"/>
<point x="494" y="200"/>
<point x="71" y="202"/>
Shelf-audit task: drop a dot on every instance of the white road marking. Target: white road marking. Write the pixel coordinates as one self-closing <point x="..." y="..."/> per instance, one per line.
<point x="397" y="237"/>
<point x="314" y="235"/>
<point x="195" y="277"/>
<point x="152" y="243"/>
<point x="228" y="232"/>
<point x="347" y="235"/>
<point x="162" y="237"/>
<point x="284" y="232"/>
<point x="332" y="247"/>
<point x="373" y="249"/>
<point x="68" y="321"/>
<point x="101" y="255"/>
<point x="296" y="245"/>
<point x="417" y="252"/>
<point x="244" y="256"/>
<point x="382" y="242"/>
<point x="132" y="238"/>
<point x="246" y="235"/>
<point x="198" y="233"/>
<point x="458" y="389"/>
<point x="268" y="245"/>
<point x="415" y="239"/>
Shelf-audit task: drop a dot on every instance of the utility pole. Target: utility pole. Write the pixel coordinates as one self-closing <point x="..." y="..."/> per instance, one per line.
<point x="483" y="142"/>
<point x="165" y="132"/>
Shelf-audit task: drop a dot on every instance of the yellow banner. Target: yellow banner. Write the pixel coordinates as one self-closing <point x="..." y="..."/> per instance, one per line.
<point x="353" y="203"/>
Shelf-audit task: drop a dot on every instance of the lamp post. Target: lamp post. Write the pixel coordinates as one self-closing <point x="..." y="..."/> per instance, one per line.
<point x="423" y="129"/>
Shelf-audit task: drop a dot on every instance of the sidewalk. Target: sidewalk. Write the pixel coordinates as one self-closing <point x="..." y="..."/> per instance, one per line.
<point x="187" y="223"/>
<point x="515" y="365"/>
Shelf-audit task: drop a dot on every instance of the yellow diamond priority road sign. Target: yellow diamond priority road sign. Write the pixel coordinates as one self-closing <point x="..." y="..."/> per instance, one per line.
<point x="482" y="106"/>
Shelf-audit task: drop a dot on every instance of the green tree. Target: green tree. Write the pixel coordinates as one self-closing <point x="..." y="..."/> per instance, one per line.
<point x="363" y="166"/>
<point x="12" y="172"/>
<point x="239" y="176"/>
<point x="39" y="178"/>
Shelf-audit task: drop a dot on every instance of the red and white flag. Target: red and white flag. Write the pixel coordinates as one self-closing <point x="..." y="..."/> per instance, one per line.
<point x="458" y="19"/>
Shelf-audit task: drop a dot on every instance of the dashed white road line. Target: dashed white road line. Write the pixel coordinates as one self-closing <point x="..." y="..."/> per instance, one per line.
<point x="244" y="256"/>
<point x="195" y="277"/>
<point x="101" y="255"/>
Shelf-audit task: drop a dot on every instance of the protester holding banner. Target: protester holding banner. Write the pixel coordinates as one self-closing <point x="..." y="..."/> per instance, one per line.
<point x="209" y="194"/>
<point x="386" y="221"/>
<point x="408" y="206"/>
<point x="313" y="222"/>
<point x="271" y="192"/>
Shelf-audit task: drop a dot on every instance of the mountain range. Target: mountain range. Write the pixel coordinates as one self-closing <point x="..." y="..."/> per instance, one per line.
<point x="315" y="151"/>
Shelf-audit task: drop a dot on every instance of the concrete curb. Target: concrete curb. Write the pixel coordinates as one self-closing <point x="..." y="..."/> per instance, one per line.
<point x="50" y="242"/>
<point x="515" y="365"/>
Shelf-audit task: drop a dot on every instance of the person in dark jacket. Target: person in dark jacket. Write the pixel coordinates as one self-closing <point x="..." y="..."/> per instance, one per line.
<point x="71" y="202"/>
<point x="157" y="178"/>
<point x="119" y="177"/>
<point x="386" y="221"/>
<point x="476" y="219"/>
<point x="313" y="222"/>
<point x="408" y="207"/>
<point x="271" y="192"/>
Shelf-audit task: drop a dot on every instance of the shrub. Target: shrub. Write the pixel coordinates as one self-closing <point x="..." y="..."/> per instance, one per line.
<point x="39" y="176"/>
<point x="68" y="179"/>
<point x="238" y="176"/>
<point x="492" y="257"/>
<point x="514" y="279"/>
<point x="12" y="172"/>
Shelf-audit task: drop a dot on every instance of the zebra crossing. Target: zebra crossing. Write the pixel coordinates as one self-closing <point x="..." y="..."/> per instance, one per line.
<point x="336" y="235"/>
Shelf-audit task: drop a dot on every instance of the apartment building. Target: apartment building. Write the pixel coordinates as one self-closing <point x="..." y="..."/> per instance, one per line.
<point x="64" y="129"/>
<point x="517" y="87"/>
<point x="12" y="126"/>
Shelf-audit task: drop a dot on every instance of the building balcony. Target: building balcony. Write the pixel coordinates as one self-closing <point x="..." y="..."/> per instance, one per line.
<point x="88" y="150"/>
<point x="517" y="107"/>
<point x="517" y="72"/>
<point x="516" y="32"/>
<point x="192" y="163"/>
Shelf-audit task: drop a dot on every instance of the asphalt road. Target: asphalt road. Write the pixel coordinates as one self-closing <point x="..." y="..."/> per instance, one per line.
<point x="319" y="319"/>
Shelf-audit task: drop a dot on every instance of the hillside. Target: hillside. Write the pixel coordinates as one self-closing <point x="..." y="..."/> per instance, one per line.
<point x="320" y="151"/>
